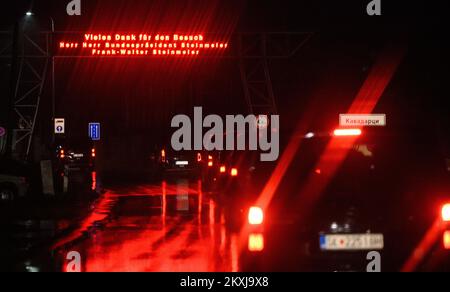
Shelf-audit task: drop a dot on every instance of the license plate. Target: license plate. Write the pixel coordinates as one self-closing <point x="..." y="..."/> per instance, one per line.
<point x="78" y="155"/>
<point x="182" y="163"/>
<point x="342" y="242"/>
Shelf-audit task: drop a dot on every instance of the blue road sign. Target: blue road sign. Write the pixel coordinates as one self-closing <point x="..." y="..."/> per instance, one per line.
<point x="94" y="131"/>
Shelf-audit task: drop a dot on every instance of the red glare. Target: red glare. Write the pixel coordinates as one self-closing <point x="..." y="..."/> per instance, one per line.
<point x="446" y="213"/>
<point x="234" y="172"/>
<point x="223" y="169"/>
<point x="347" y="132"/>
<point x="446" y="239"/>
<point x="210" y="164"/>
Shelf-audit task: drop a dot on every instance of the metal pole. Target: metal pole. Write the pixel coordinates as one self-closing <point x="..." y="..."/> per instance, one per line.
<point x="13" y="82"/>
<point x="53" y="76"/>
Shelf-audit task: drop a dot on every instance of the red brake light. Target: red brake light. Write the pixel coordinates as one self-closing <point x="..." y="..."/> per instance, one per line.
<point x="93" y="154"/>
<point x="255" y="216"/>
<point x="210" y="164"/>
<point x="234" y="172"/>
<point x="347" y="132"/>
<point x="199" y="157"/>
<point x="163" y="155"/>
<point x="62" y="155"/>
<point x="446" y="213"/>
<point x="446" y="239"/>
<point x="256" y="242"/>
<point x="223" y="169"/>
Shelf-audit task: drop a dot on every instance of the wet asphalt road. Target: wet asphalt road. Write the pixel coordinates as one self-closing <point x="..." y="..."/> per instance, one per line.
<point x="174" y="226"/>
<point x="171" y="226"/>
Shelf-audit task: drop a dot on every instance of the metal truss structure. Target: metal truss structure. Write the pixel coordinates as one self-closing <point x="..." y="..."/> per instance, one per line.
<point x="33" y="55"/>
<point x="255" y="51"/>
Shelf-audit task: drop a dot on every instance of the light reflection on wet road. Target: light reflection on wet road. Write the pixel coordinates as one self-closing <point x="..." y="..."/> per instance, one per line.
<point x="167" y="227"/>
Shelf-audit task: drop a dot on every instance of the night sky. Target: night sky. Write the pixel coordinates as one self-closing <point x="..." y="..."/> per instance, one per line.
<point x="135" y="96"/>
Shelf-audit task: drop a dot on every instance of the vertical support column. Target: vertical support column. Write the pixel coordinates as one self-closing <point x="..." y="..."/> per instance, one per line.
<point x="33" y="58"/>
<point x="255" y="74"/>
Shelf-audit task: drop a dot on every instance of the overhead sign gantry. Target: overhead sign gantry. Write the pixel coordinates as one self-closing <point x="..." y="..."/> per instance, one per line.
<point x="36" y="51"/>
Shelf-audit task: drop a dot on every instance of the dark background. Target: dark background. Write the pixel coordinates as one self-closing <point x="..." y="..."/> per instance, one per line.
<point x="135" y="99"/>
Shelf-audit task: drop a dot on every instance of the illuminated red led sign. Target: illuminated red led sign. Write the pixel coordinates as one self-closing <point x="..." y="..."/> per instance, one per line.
<point x="141" y="45"/>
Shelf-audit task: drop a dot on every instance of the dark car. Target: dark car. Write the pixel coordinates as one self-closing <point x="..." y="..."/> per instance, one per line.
<point x="180" y="163"/>
<point x="336" y="200"/>
<point x="76" y="155"/>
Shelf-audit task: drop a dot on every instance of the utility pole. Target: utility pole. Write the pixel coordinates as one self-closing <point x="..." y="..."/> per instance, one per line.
<point x="53" y="76"/>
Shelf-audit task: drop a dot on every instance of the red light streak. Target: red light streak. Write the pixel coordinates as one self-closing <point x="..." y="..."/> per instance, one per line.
<point x="94" y="181"/>
<point x="424" y="247"/>
<point x="164" y="203"/>
<point x="200" y="201"/>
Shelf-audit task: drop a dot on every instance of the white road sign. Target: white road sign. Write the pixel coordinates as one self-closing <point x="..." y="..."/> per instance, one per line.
<point x="60" y="126"/>
<point x="370" y="120"/>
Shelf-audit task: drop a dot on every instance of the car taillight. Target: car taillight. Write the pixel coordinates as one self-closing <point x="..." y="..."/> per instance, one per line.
<point x="163" y="155"/>
<point x="446" y="239"/>
<point x="210" y="163"/>
<point x="223" y="169"/>
<point x="446" y="213"/>
<point x="255" y="216"/>
<point x="199" y="157"/>
<point x="234" y="172"/>
<point x="62" y="155"/>
<point x="93" y="154"/>
<point x="256" y="242"/>
<point x="347" y="132"/>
